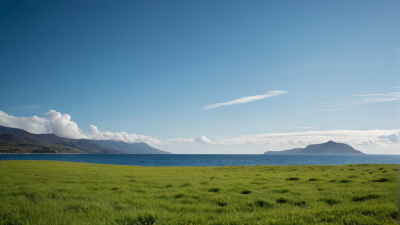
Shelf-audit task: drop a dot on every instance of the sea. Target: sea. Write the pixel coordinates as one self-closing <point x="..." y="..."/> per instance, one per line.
<point x="208" y="160"/>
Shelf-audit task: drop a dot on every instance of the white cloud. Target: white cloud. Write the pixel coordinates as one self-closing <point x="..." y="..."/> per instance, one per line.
<point x="384" y="138"/>
<point x="202" y="140"/>
<point x="247" y="99"/>
<point x="393" y="137"/>
<point x="356" y="138"/>
<point x="393" y="94"/>
<point x="61" y="125"/>
<point x="32" y="124"/>
<point x="187" y="141"/>
<point x="381" y="99"/>
<point x="387" y="97"/>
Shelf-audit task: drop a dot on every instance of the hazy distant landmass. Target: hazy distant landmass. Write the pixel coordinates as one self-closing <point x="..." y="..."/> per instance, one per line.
<point x="13" y="140"/>
<point x="328" y="148"/>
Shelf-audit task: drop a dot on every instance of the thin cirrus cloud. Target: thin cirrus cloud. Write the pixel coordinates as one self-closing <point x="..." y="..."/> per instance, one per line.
<point x="246" y="99"/>
<point x="393" y="94"/>
<point x="387" y="97"/>
<point x="381" y="99"/>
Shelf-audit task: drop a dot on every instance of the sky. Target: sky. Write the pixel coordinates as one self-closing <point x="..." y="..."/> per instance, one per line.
<point x="204" y="77"/>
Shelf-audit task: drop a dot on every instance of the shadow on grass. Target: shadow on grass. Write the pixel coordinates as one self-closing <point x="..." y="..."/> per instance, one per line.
<point x="245" y="192"/>
<point x="364" y="198"/>
<point x="146" y="219"/>
<point x="214" y="190"/>
<point x="381" y="180"/>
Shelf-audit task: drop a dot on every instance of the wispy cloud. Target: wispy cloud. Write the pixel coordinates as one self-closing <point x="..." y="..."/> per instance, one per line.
<point x="381" y="99"/>
<point x="361" y="99"/>
<point x="394" y="94"/>
<point x="246" y="99"/>
<point x="387" y="97"/>
<point x="324" y="110"/>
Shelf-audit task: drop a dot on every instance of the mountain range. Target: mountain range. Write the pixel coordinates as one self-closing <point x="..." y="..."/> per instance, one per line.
<point x="328" y="148"/>
<point x="13" y="140"/>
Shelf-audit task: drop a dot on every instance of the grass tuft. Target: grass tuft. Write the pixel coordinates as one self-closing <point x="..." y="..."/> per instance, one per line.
<point x="331" y="201"/>
<point x="293" y="178"/>
<point x="146" y="219"/>
<point x="313" y="179"/>
<point x="185" y="185"/>
<point x="180" y="195"/>
<point x="300" y="203"/>
<point x="281" y="191"/>
<point x="222" y="204"/>
<point x="282" y="200"/>
<point x="245" y="192"/>
<point x="381" y="180"/>
<point x="364" y="198"/>
<point x="214" y="190"/>
<point x="368" y="213"/>
<point x="262" y="203"/>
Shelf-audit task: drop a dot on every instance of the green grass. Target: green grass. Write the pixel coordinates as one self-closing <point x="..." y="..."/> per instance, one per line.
<point x="47" y="192"/>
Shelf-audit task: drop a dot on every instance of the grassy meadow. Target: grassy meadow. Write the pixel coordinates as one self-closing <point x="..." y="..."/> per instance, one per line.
<point x="49" y="192"/>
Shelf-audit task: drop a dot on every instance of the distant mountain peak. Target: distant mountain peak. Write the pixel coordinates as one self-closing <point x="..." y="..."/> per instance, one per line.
<point x="327" y="148"/>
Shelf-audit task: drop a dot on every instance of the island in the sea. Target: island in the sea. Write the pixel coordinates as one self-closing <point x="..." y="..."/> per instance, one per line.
<point x="13" y="140"/>
<point x="328" y="148"/>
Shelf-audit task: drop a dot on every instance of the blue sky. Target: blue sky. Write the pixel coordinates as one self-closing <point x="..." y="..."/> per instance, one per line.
<point x="150" y="68"/>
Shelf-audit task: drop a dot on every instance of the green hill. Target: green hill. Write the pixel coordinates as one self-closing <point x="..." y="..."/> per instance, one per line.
<point x="13" y="140"/>
<point x="53" y="141"/>
<point x="12" y="143"/>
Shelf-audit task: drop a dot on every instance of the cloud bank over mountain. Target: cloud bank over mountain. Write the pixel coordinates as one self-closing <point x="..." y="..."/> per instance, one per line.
<point x="62" y="125"/>
<point x="383" y="138"/>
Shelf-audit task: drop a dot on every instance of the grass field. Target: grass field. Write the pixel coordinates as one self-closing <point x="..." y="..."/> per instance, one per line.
<point x="48" y="192"/>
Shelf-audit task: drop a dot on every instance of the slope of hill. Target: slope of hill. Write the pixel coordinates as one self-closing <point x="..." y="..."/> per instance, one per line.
<point x="12" y="143"/>
<point x="134" y="148"/>
<point x="328" y="148"/>
<point x="13" y="140"/>
<point x="49" y="140"/>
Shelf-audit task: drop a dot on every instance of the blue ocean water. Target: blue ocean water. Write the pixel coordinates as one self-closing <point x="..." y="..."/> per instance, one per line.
<point x="208" y="160"/>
